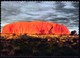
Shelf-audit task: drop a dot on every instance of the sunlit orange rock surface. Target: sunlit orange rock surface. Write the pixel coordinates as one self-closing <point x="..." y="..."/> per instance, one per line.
<point x="35" y="27"/>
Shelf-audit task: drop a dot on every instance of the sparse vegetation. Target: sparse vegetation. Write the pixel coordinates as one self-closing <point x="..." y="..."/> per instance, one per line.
<point x="40" y="45"/>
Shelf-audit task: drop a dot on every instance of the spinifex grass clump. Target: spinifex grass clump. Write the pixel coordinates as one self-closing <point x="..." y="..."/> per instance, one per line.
<point x="39" y="45"/>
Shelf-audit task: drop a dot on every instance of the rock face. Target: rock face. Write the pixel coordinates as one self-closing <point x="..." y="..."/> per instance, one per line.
<point x="35" y="27"/>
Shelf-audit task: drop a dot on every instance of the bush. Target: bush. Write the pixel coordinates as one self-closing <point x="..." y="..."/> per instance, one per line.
<point x="32" y="46"/>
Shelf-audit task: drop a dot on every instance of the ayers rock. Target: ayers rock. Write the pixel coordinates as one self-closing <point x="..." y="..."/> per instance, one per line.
<point x="35" y="27"/>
